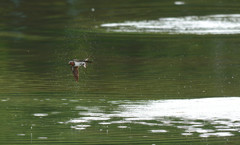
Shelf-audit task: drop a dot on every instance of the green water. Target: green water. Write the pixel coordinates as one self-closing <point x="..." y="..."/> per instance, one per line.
<point x="38" y="94"/>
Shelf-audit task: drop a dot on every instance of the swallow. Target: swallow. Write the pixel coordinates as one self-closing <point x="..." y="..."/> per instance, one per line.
<point x="75" y="64"/>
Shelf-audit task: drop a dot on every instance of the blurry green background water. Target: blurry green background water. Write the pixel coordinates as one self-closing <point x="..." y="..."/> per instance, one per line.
<point x="38" y="38"/>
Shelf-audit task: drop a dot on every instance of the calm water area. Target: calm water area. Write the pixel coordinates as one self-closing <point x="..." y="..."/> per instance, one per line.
<point x="164" y="72"/>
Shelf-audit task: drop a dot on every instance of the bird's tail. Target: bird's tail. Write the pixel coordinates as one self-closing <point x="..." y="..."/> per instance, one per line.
<point x="88" y="61"/>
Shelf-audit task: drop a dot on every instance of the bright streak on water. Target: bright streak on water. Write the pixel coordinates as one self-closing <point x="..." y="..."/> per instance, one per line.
<point x="189" y="115"/>
<point x="158" y="131"/>
<point x="40" y="114"/>
<point x="179" y="3"/>
<point x="203" y="109"/>
<point x="210" y="24"/>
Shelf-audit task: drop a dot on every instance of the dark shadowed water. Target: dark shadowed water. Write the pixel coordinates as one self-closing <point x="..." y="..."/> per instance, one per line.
<point x="163" y="72"/>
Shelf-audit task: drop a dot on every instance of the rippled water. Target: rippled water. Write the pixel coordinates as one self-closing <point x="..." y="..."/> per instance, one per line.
<point x="138" y="121"/>
<point x="174" y="79"/>
<point x="189" y="115"/>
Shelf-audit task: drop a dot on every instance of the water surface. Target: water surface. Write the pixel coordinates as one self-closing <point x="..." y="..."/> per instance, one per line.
<point x="163" y="79"/>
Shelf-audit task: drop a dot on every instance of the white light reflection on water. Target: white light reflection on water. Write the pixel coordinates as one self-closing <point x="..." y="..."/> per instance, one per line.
<point x="210" y="24"/>
<point x="179" y="3"/>
<point x="158" y="131"/>
<point x="40" y="114"/>
<point x="189" y="115"/>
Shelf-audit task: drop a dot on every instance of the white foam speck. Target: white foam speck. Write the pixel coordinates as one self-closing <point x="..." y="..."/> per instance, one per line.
<point x="83" y="126"/>
<point x="104" y="123"/>
<point x="200" y="130"/>
<point x="80" y="128"/>
<point x="122" y="126"/>
<point x="186" y="134"/>
<point x="220" y="134"/>
<point x="198" y="125"/>
<point x="77" y="120"/>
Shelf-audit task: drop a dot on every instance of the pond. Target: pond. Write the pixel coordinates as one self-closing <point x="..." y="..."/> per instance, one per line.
<point x="163" y="72"/>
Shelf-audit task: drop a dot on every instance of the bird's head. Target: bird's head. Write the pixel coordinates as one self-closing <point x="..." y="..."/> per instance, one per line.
<point x="71" y="63"/>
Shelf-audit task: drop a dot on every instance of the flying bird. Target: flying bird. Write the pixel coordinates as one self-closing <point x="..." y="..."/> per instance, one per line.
<point x="75" y="64"/>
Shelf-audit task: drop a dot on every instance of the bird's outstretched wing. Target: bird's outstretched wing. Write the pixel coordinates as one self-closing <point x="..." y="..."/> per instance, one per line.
<point x="85" y="60"/>
<point x="78" y="60"/>
<point x="75" y="73"/>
